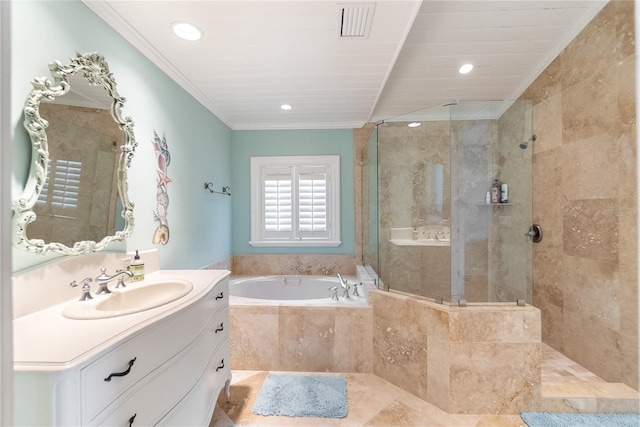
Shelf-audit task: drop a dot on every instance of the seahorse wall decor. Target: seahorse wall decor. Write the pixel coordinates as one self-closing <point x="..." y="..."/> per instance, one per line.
<point x="161" y="234"/>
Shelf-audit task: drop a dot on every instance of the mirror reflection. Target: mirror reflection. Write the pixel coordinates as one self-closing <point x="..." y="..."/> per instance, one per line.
<point x="78" y="199"/>
<point x="81" y="150"/>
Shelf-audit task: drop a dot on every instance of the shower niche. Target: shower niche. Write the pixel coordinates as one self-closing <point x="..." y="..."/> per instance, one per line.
<point x="436" y="235"/>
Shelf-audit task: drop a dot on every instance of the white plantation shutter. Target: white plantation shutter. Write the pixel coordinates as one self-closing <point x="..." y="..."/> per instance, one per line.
<point x="278" y="202"/>
<point x="312" y="202"/>
<point x="66" y="184"/>
<point x="295" y="201"/>
<point x="59" y="194"/>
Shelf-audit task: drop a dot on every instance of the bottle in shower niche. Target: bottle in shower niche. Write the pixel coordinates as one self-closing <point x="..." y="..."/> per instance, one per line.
<point x="504" y="193"/>
<point x="495" y="191"/>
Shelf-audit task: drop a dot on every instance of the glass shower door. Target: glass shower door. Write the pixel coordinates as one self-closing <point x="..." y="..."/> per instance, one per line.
<point x="491" y="253"/>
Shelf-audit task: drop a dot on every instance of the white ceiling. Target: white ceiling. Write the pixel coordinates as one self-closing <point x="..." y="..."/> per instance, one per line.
<point x="257" y="55"/>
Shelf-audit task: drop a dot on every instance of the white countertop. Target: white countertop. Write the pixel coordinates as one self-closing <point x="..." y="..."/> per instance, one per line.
<point x="47" y="341"/>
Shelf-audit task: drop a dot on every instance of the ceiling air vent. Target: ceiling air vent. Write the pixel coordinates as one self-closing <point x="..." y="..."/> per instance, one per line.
<point x="355" y="19"/>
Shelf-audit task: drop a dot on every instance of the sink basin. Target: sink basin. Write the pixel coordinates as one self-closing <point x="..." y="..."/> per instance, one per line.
<point x="133" y="299"/>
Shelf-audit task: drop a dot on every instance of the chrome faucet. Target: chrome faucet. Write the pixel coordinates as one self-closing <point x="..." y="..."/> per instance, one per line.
<point x="86" y="288"/>
<point x="103" y="280"/>
<point x="334" y="289"/>
<point x="345" y="287"/>
<point x="355" y="289"/>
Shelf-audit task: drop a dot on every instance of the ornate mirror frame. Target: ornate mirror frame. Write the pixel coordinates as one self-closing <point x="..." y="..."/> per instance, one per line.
<point x="94" y="68"/>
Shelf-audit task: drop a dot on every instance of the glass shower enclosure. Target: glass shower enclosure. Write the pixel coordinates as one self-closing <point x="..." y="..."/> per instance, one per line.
<point x="435" y="228"/>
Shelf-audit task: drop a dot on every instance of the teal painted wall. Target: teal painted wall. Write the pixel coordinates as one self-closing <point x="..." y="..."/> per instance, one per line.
<point x="200" y="144"/>
<point x="290" y="142"/>
<point x="202" y="147"/>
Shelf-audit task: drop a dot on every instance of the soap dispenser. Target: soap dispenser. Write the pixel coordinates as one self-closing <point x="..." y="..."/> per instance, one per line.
<point x="137" y="268"/>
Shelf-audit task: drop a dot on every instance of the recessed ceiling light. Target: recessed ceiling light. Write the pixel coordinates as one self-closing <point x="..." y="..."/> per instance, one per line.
<point x="413" y="124"/>
<point x="187" y="31"/>
<point x="465" y="68"/>
<point x="286" y="107"/>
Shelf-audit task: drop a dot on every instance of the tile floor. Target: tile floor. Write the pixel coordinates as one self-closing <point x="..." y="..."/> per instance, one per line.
<point x="375" y="402"/>
<point x="372" y="402"/>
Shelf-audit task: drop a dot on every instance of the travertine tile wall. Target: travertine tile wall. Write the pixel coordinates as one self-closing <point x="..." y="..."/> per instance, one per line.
<point x="464" y="360"/>
<point x="510" y="252"/>
<point x="481" y="359"/>
<point x="584" y="195"/>
<point x="294" y="264"/>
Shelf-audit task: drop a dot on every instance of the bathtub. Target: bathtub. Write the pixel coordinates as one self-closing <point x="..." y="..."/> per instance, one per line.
<point x="292" y="290"/>
<point x="290" y="323"/>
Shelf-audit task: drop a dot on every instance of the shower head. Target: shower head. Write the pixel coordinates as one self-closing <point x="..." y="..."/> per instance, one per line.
<point x="524" y="145"/>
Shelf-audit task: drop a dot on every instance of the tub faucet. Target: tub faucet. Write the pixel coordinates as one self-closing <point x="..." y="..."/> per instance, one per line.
<point x="343" y="281"/>
<point x="334" y="297"/>
<point x="345" y="287"/>
<point x="355" y="289"/>
<point x="103" y="280"/>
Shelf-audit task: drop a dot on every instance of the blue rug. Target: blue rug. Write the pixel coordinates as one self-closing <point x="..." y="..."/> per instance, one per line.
<point x="545" y="419"/>
<point x="302" y="396"/>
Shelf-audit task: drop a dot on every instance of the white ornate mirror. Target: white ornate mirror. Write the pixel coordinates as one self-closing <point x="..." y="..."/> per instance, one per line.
<point x="81" y="150"/>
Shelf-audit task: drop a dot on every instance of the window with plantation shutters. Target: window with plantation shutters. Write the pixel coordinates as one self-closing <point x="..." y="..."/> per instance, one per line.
<point x="59" y="194"/>
<point x="295" y="201"/>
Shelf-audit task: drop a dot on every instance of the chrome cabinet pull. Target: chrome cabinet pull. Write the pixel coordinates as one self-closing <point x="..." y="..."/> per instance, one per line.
<point x="221" y="365"/>
<point x="220" y="329"/>
<point x="131" y="419"/>
<point x="122" y="374"/>
<point x="220" y="296"/>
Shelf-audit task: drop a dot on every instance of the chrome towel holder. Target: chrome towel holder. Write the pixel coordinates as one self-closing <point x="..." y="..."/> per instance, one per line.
<point x="225" y="190"/>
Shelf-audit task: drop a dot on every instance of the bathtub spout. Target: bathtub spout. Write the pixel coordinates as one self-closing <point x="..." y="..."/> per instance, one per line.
<point x="345" y="287"/>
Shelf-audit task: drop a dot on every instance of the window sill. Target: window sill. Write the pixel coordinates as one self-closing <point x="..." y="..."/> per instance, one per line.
<point x="295" y="243"/>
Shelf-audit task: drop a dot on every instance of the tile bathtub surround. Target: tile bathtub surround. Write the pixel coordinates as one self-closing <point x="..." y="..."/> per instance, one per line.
<point x="324" y="265"/>
<point x="223" y="264"/>
<point x="314" y="339"/>
<point x="480" y="359"/>
<point x="585" y="193"/>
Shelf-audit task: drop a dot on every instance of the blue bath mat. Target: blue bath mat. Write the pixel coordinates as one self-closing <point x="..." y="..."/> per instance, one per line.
<point x="302" y="396"/>
<point x="545" y="419"/>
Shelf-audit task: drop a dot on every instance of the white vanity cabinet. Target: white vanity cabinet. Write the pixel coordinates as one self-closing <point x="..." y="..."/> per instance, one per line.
<point x="168" y="373"/>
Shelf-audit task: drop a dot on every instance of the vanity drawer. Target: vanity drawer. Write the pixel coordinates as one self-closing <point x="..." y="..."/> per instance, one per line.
<point x="219" y="295"/>
<point x="160" y="391"/>
<point x="202" y="398"/>
<point x="143" y="353"/>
